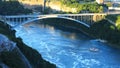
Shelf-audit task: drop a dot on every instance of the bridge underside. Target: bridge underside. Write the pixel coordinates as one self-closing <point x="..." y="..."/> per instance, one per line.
<point x="61" y="23"/>
<point x="58" y="19"/>
<point x="86" y="20"/>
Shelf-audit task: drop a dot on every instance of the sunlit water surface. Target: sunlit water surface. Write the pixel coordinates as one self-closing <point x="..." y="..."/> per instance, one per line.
<point x="68" y="49"/>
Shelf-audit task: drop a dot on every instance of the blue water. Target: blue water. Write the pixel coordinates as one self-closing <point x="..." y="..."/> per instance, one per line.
<point x="68" y="49"/>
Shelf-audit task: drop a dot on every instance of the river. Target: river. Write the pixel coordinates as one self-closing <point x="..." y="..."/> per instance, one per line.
<point x="68" y="49"/>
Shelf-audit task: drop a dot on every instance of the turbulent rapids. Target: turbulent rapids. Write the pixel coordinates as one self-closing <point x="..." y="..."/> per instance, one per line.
<point x="68" y="49"/>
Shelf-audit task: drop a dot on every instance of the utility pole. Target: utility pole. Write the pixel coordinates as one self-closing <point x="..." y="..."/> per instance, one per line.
<point x="44" y="5"/>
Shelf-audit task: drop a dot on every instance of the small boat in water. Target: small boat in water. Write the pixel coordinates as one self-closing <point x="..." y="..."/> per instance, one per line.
<point x="94" y="49"/>
<point x="100" y="40"/>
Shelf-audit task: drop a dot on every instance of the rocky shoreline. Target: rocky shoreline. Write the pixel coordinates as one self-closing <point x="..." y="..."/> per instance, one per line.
<point x="12" y="58"/>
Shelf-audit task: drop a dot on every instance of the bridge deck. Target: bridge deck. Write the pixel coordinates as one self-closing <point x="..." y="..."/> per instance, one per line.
<point x="83" y="14"/>
<point x="76" y="17"/>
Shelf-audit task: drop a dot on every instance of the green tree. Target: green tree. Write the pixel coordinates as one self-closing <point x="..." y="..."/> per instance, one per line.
<point x="12" y="8"/>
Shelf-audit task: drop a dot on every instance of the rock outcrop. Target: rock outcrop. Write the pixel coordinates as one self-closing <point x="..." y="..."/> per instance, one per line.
<point x="11" y="56"/>
<point x="6" y="44"/>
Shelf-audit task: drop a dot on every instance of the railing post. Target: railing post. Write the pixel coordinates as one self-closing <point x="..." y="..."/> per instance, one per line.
<point x="76" y="17"/>
<point x="20" y="21"/>
<point x="80" y="18"/>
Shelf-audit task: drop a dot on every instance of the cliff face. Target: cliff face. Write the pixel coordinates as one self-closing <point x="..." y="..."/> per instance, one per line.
<point x="55" y="5"/>
<point x="60" y="7"/>
<point x="12" y="58"/>
<point x="32" y="2"/>
<point x="9" y="52"/>
<point x="6" y="44"/>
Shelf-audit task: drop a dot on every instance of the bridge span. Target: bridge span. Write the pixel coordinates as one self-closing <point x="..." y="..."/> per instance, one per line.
<point x="87" y="19"/>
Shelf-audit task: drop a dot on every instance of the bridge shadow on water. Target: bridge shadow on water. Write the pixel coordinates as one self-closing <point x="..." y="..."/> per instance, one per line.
<point x="65" y="25"/>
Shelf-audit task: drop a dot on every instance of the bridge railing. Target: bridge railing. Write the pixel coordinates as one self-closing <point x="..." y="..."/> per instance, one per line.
<point x="84" y="17"/>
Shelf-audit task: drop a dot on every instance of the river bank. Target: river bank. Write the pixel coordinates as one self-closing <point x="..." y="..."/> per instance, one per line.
<point x="31" y="54"/>
<point x="99" y="30"/>
<point x="66" y="47"/>
<point x="106" y="31"/>
<point x="11" y="59"/>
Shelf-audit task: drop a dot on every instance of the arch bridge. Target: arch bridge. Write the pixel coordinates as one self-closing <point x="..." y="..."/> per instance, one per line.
<point x="87" y="19"/>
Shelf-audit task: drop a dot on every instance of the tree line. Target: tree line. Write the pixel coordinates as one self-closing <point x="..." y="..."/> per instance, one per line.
<point x="84" y="6"/>
<point x="13" y="8"/>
